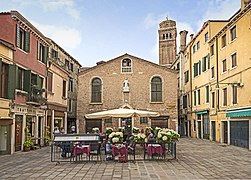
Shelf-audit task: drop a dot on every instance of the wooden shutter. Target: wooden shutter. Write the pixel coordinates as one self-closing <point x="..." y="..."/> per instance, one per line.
<point x="27" y="41"/>
<point x="27" y="80"/>
<point x="18" y="35"/>
<point x="11" y="82"/>
<point x="208" y="58"/>
<point x="199" y="67"/>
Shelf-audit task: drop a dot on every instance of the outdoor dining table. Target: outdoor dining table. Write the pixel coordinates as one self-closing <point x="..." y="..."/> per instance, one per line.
<point x="154" y="149"/>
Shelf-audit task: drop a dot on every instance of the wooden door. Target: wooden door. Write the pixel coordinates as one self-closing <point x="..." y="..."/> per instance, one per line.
<point x="18" y="132"/>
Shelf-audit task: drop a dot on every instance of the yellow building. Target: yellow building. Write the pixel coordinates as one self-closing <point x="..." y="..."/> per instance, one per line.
<point x="230" y="91"/>
<point x="196" y="77"/>
<point x="216" y="72"/>
<point x="7" y="127"/>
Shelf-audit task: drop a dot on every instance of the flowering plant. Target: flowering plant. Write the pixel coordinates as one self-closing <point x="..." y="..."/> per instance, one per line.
<point x="156" y="130"/>
<point x="116" y="137"/>
<point x="108" y="130"/>
<point x="95" y="130"/>
<point x="139" y="137"/>
<point x="167" y="135"/>
<point x="135" y="130"/>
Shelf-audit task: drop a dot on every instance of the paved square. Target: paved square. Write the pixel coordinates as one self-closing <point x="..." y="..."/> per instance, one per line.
<point x="196" y="159"/>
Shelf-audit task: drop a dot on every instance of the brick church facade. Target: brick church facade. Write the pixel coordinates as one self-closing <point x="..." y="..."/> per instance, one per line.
<point x="149" y="86"/>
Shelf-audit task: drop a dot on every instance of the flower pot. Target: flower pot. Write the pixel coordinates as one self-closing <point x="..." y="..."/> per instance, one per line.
<point x="26" y="149"/>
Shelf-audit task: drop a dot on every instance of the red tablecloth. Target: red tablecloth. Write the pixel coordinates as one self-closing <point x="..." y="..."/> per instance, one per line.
<point x="84" y="149"/>
<point x="154" y="149"/>
<point x="122" y="150"/>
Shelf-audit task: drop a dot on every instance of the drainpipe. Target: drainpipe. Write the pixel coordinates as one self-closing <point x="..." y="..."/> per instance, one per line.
<point x="190" y="95"/>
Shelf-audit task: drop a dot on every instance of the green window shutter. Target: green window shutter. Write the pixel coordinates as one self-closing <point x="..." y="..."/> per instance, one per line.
<point x="18" y="35"/>
<point x="0" y="74"/>
<point x="27" y="80"/>
<point x="199" y="67"/>
<point x="11" y="79"/>
<point x="27" y="41"/>
<point x="45" y="54"/>
<point x="17" y="78"/>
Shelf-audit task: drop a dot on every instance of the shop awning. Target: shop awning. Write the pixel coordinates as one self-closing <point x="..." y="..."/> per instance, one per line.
<point x="244" y="112"/>
<point x="201" y="112"/>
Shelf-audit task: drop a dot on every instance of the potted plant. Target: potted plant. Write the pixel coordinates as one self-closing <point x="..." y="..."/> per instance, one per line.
<point x="28" y="143"/>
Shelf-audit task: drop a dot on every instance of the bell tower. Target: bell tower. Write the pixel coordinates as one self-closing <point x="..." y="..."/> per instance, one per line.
<point x="167" y="42"/>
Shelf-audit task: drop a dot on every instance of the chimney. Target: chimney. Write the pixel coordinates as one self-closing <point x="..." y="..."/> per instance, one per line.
<point x="183" y="37"/>
<point x="191" y="37"/>
<point x="244" y="3"/>
<point x="100" y="62"/>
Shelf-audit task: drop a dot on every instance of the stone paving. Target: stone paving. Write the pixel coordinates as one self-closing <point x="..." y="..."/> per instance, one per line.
<point x="196" y="159"/>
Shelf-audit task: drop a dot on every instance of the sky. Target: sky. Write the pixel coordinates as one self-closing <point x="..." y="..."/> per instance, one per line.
<point x="96" y="30"/>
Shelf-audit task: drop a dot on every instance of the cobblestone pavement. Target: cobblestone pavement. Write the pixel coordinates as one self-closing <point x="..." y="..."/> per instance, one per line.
<point x="196" y="159"/>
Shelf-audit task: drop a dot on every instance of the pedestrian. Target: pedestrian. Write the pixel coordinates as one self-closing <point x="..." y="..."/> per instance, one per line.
<point x="56" y="130"/>
<point x="73" y="128"/>
<point x="62" y="130"/>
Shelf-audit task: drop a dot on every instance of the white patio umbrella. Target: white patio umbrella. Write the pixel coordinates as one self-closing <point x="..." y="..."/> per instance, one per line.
<point x="121" y="113"/>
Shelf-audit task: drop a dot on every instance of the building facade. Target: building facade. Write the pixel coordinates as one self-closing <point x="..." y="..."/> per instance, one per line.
<point x="28" y="75"/>
<point x="129" y="82"/>
<point x="215" y="73"/>
<point x="6" y="96"/>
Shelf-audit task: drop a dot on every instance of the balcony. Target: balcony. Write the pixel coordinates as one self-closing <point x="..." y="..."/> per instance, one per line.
<point x="35" y="97"/>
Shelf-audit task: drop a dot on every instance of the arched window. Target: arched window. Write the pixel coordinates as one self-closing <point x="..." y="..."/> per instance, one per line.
<point x="126" y="65"/>
<point x="96" y="90"/>
<point x="156" y="89"/>
<point x="164" y="37"/>
<point x="170" y="35"/>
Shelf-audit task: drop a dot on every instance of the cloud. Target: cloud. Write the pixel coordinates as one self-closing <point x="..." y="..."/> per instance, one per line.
<point x="67" y="38"/>
<point x="219" y="10"/>
<point x="152" y="20"/>
<point x="67" y="6"/>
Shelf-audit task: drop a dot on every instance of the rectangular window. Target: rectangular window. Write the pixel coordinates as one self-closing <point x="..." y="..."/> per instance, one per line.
<point x="64" y="88"/>
<point x="204" y="64"/>
<point x="22" y="39"/>
<point x="208" y="61"/>
<point x="223" y="41"/>
<point x="42" y="52"/>
<point x="143" y="120"/>
<point x="207" y="94"/>
<point x="50" y="81"/>
<point x="224" y="97"/>
<point x="70" y="105"/>
<point x="194" y="98"/>
<point x="54" y="53"/>
<point x="196" y="69"/>
<point x="213" y="99"/>
<point x="212" y="72"/>
<point x="194" y="49"/>
<point x="224" y="65"/>
<point x="198" y="45"/>
<point x="66" y="64"/>
<point x="185" y="101"/>
<point x="233" y="60"/>
<point x="233" y="33"/>
<point x="212" y="50"/>
<point x="206" y="37"/>
<point x="186" y="76"/>
<point x="70" y="88"/>
<point x="234" y="94"/>
<point x="71" y="67"/>
<point x="20" y="80"/>
<point x="198" y="96"/>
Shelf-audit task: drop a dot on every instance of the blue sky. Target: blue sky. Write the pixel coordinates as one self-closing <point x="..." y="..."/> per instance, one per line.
<point x="95" y="30"/>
